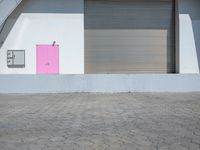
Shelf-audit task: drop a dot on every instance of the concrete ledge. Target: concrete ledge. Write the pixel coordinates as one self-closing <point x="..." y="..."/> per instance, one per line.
<point x="99" y="83"/>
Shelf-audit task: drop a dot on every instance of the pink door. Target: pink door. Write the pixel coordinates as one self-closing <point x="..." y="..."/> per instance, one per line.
<point x="47" y="59"/>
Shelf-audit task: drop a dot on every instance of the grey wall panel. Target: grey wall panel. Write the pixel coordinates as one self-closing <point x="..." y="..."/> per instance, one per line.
<point x="99" y="83"/>
<point x="129" y="36"/>
<point x="6" y="8"/>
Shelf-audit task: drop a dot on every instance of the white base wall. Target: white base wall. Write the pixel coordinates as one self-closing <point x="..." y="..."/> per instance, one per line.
<point x="99" y="83"/>
<point x="35" y="23"/>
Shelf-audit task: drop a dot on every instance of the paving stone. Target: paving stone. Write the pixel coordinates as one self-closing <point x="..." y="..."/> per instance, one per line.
<point x="163" y="148"/>
<point x="178" y="147"/>
<point x="193" y="146"/>
<point x="135" y="121"/>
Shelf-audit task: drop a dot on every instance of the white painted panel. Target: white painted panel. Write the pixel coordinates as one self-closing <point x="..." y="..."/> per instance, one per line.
<point x="189" y="35"/>
<point x="54" y="23"/>
<point x="188" y="52"/>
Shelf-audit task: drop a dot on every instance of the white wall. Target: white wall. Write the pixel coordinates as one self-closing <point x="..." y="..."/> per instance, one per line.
<point x="42" y="22"/>
<point x="189" y="36"/>
<point x="106" y="83"/>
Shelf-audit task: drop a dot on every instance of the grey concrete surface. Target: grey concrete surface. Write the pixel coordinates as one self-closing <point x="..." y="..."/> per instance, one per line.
<point x="128" y="121"/>
<point x="107" y="83"/>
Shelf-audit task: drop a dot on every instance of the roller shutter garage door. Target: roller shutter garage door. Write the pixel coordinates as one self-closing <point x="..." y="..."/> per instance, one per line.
<point x="129" y="36"/>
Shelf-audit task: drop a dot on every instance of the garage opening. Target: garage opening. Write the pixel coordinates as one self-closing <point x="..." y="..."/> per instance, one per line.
<point x="129" y="36"/>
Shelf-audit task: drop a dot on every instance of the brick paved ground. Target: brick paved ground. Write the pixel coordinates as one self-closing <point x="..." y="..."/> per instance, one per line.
<point x="100" y="122"/>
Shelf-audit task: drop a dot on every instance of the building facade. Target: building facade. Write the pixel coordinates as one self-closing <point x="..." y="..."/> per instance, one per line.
<point x="99" y="45"/>
<point x="102" y="36"/>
